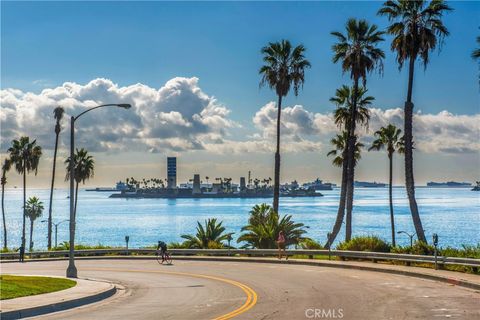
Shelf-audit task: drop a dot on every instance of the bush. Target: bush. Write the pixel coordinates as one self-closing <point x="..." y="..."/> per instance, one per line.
<point x="467" y="251"/>
<point x="365" y="243"/>
<point x="419" y="247"/>
<point x="175" y="245"/>
<point x="65" y="245"/>
<point x="309" y="244"/>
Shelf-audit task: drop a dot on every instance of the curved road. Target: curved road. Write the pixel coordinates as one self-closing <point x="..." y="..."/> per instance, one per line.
<point x="219" y="290"/>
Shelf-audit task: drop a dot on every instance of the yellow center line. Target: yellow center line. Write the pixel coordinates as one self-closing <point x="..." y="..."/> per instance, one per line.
<point x="249" y="302"/>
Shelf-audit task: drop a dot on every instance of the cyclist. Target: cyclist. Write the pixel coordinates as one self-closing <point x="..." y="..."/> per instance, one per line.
<point x="162" y="246"/>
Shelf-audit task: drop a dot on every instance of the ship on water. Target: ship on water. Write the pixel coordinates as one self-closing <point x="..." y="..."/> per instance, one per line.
<point x="120" y="186"/>
<point x="318" y="185"/>
<point x="449" y="184"/>
<point x="364" y="184"/>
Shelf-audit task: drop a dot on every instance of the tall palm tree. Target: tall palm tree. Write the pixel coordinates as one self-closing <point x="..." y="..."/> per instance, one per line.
<point x="416" y="28"/>
<point x="58" y="115"/>
<point x="7" y="164"/>
<point x="25" y="155"/>
<point x="358" y="53"/>
<point x="263" y="227"/>
<point x="84" y="170"/>
<point x="210" y="237"/>
<point x="344" y="101"/>
<point x="389" y="138"/>
<point x="284" y="67"/>
<point x="33" y="210"/>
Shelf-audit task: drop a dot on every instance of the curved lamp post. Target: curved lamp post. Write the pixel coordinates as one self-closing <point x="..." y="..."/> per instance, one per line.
<point x="410" y="236"/>
<point x="56" y="228"/>
<point x="72" y="270"/>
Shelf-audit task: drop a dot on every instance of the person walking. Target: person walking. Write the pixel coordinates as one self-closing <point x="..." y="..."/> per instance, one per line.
<point x="21" y="255"/>
<point x="281" y="245"/>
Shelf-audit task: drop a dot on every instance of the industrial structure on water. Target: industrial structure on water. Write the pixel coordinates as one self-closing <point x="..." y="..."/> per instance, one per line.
<point x="220" y="188"/>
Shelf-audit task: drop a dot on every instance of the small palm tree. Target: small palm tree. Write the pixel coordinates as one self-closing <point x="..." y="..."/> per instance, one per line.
<point x="33" y="210"/>
<point x="58" y="115"/>
<point x="84" y="170"/>
<point x="476" y="52"/>
<point x="284" y="67"/>
<point x="389" y="138"/>
<point x="25" y="156"/>
<point x="417" y="28"/>
<point x="208" y="237"/>
<point x="340" y="144"/>
<point x="6" y="166"/>
<point x="358" y="53"/>
<point x="264" y="226"/>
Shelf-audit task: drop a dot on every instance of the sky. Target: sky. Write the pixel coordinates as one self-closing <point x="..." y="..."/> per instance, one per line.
<point x="191" y="72"/>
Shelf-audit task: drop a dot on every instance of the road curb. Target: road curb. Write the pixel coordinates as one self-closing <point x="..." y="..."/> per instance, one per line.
<point x="317" y="263"/>
<point x="60" y="306"/>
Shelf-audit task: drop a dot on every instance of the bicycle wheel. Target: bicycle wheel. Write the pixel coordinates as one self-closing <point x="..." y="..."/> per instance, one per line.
<point x="168" y="259"/>
<point x="159" y="258"/>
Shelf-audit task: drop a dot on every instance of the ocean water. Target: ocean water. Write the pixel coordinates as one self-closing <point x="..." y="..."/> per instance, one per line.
<point x="452" y="213"/>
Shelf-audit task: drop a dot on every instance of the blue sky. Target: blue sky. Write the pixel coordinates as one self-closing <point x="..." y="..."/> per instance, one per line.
<point x="151" y="42"/>
<point x="45" y="44"/>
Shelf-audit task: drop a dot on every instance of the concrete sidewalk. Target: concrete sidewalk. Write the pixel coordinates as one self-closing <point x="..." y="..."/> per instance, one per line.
<point x="85" y="292"/>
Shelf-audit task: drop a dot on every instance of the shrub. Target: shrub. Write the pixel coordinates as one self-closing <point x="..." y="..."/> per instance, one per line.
<point x="310" y="244"/>
<point x="65" y="245"/>
<point x="419" y="247"/>
<point x="365" y="243"/>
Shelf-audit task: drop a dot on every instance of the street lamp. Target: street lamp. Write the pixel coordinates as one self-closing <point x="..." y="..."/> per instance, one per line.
<point x="410" y="236"/>
<point x="56" y="228"/>
<point x="72" y="270"/>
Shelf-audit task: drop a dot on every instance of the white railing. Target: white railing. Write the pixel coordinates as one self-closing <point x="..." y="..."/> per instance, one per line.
<point x="362" y="255"/>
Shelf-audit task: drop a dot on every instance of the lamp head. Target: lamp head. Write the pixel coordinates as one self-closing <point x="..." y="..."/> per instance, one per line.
<point x="124" y="105"/>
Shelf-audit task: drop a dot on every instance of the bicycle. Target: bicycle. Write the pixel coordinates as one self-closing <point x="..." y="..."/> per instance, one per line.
<point x="166" y="258"/>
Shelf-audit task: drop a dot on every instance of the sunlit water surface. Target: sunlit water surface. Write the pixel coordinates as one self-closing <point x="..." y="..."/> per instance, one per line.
<point x="453" y="213"/>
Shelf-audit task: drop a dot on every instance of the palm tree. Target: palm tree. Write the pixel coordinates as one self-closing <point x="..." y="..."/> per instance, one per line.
<point x="210" y="237"/>
<point x="7" y="164"/>
<point x="476" y="52"/>
<point x="84" y="170"/>
<point x="359" y="56"/>
<point x="25" y="155"/>
<point x="33" y="210"/>
<point x="340" y="144"/>
<point x="389" y="137"/>
<point x="344" y="100"/>
<point x="284" y="66"/>
<point x="417" y="28"/>
<point x="264" y="225"/>
<point x="58" y="115"/>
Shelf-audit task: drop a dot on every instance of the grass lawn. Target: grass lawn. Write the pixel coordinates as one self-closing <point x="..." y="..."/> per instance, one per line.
<point x="21" y="286"/>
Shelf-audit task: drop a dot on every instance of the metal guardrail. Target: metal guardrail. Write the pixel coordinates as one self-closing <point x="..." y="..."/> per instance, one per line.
<point x="362" y="255"/>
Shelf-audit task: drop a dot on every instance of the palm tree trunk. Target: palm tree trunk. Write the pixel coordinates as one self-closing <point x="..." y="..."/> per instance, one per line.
<point x="341" y="206"/>
<point x="3" y="213"/>
<point x="276" y="187"/>
<point x="351" y="162"/>
<point x="409" y="181"/>
<point x="31" y="235"/>
<point x="24" y="201"/>
<point x="51" y="195"/>
<point x="390" y="193"/>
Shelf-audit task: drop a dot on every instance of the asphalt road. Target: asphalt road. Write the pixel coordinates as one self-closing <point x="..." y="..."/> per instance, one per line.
<point x="208" y="290"/>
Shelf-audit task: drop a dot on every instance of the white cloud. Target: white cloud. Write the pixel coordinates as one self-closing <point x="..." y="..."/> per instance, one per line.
<point x="180" y="117"/>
